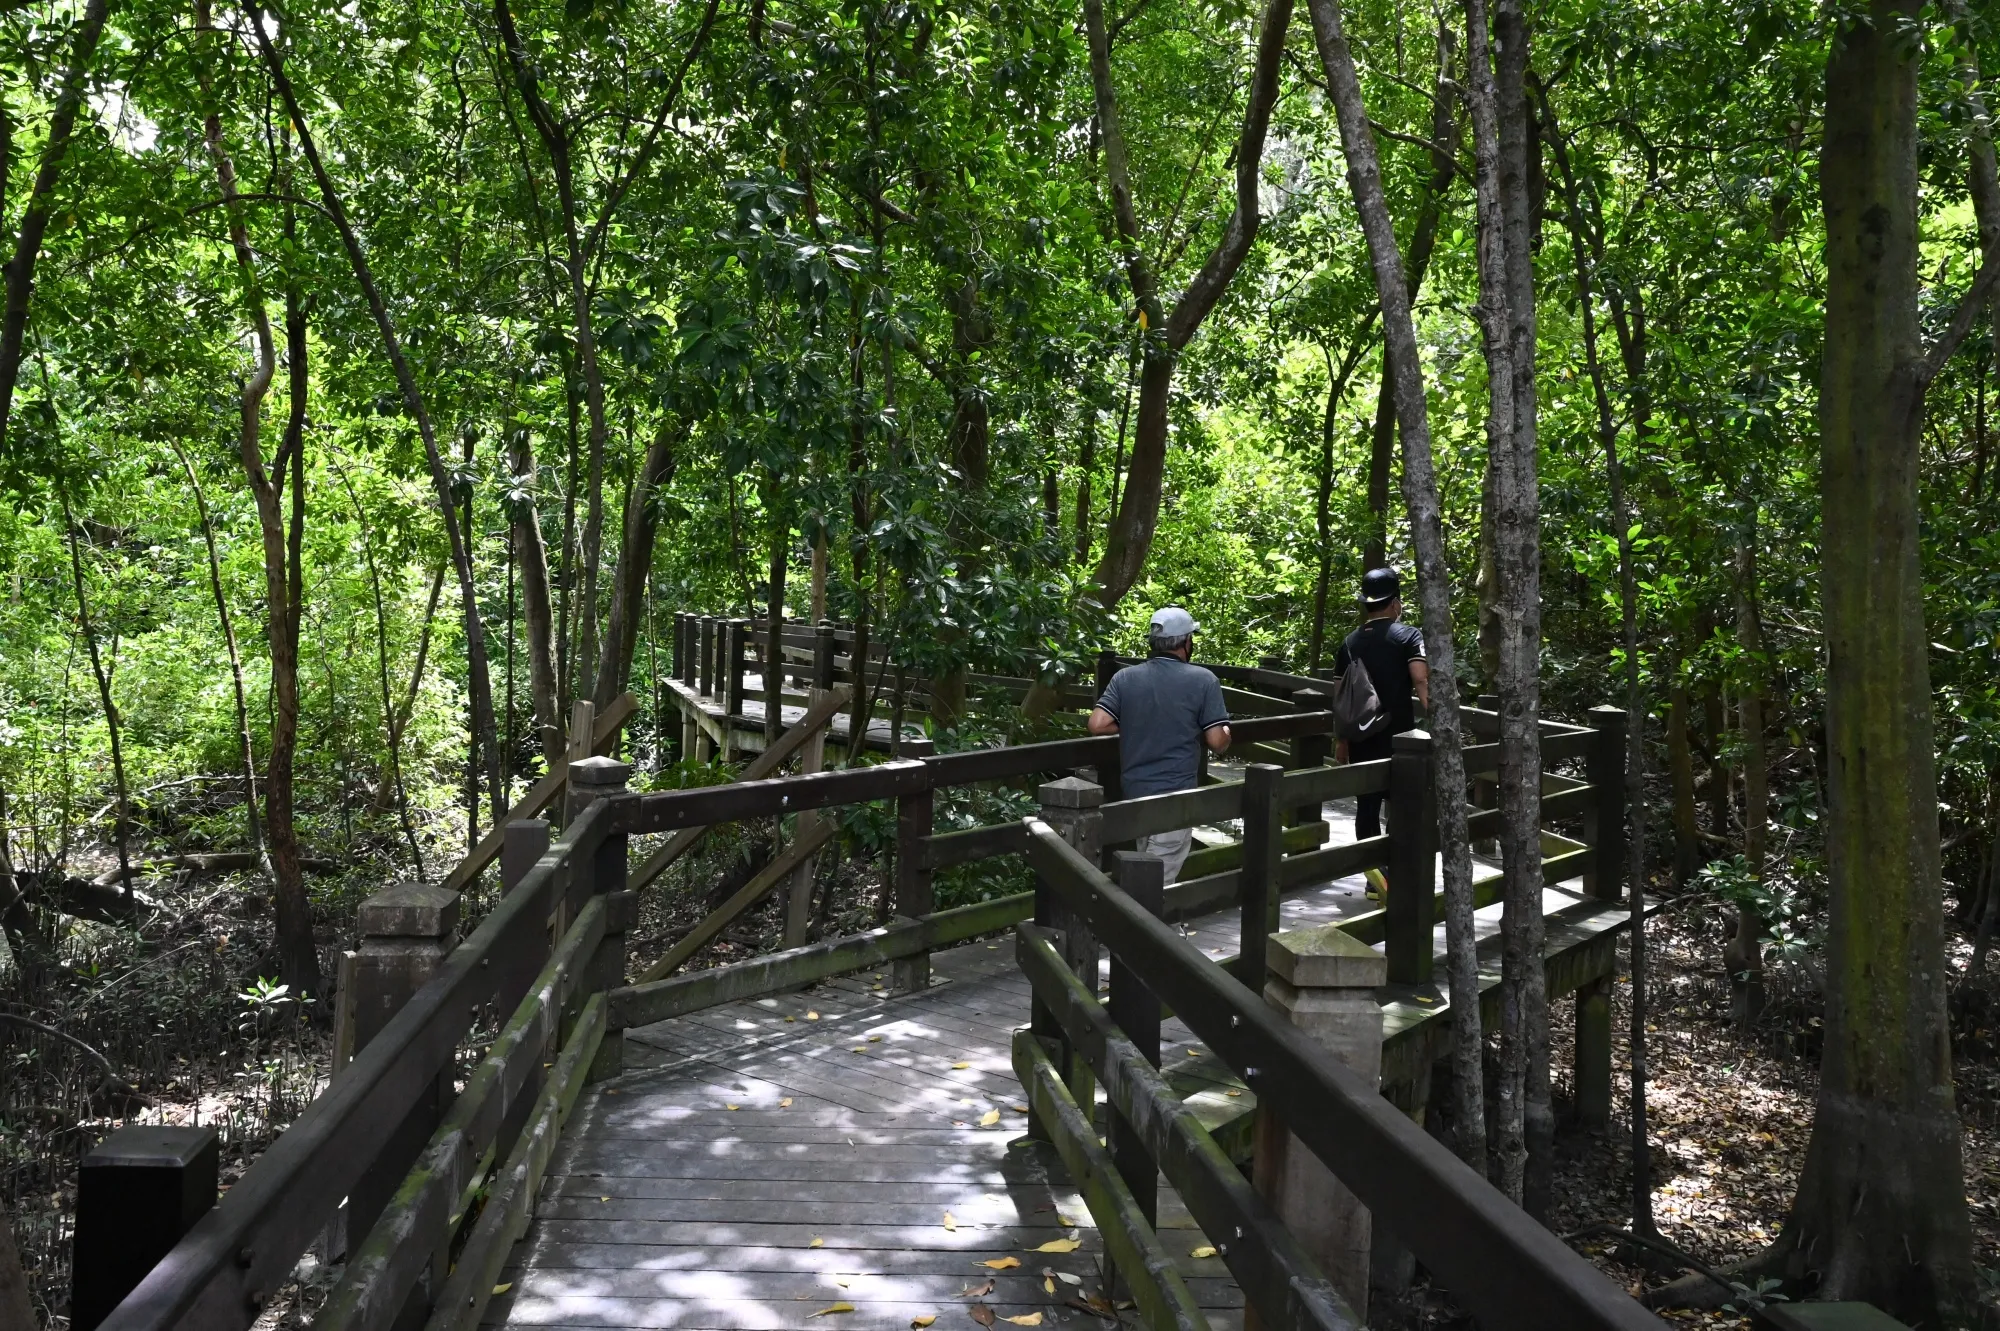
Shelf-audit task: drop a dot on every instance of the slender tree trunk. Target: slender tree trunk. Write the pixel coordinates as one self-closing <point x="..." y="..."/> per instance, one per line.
<point x="252" y="828"/>
<point x="121" y="830"/>
<point x="1086" y="462"/>
<point x="20" y="268"/>
<point x="1137" y="512"/>
<point x="283" y="583"/>
<point x="1880" y="1213"/>
<point x="1336" y="389"/>
<point x="533" y="558"/>
<point x="1420" y="495"/>
<point x="16" y="1310"/>
<point x="774" y="642"/>
<point x="635" y="564"/>
<point x="1744" y="956"/>
<point x="818" y="599"/>
<point x="413" y="402"/>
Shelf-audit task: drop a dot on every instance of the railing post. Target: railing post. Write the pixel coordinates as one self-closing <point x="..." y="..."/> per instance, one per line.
<point x="406" y="933"/>
<point x="1323" y="982"/>
<point x="1263" y="847"/>
<point x="1309" y="750"/>
<point x="1412" y="858"/>
<point x="812" y="758"/>
<point x="592" y="781"/>
<point x="1593" y="1054"/>
<point x="526" y="841"/>
<point x="1136" y="1011"/>
<point x="705" y="657"/>
<point x="1484" y="788"/>
<point x="138" y="1193"/>
<point x="680" y="656"/>
<point x="915" y="820"/>
<point x="736" y="643"/>
<point x="1072" y="807"/>
<point x="1604" y="819"/>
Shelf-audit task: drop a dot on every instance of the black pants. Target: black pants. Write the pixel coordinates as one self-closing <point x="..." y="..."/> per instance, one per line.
<point x="1368" y="808"/>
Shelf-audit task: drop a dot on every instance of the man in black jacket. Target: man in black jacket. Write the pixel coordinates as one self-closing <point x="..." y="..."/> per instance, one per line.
<point x="1393" y="654"/>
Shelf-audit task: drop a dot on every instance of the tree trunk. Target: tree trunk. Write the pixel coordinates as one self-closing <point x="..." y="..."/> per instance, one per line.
<point x="774" y="642"/>
<point x="283" y="581"/>
<point x="1086" y="460"/>
<point x="1680" y="768"/>
<point x="1336" y="389"/>
<point x="1880" y="1213"/>
<point x="20" y="269"/>
<point x="16" y="1310"/>
<point x="635" y="564"/>
<point x="1165" y="335"/>
<point x="533" y="557"/>
<point x="122" y="829"/>
<point x="1420" y="495"/>
<point x="1744" y="955"/>
<point x="413" y="402"/>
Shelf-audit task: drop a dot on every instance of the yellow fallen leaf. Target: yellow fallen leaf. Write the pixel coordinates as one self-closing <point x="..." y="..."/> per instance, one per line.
<point x="874" y="1039"/>
<point x="860" y="1049"/>
<point x="989" y="1118"/>
<point x="1026" y="1319"/>
<point x="791" y="1018"/>
<point x="1062" y="1219"/>
<point x="924" y="1321"/>
<point x="1048" y="1284"/>
<point x="950" y="1221"/>
<point x="502" y="1289"/>
<point x="785" y="1103"/>
<point x="1422" y="999"/>
<point x="812" y="1016"/>
<point x="1203" y="1251"/>
<point x="1003" y="1263"/>
<point x="840" y="1281"/>
<point x="1060" y="1245"/>
<point x="833" y="1308"/>
<point x="731" y="1107"/>
<point x="960" y="1067"/>
<point x="1232" y="1094"/>
<point x="817" y="1243"/>
<point x="603" y="1199"/>
<point x="1019" y="1109"/>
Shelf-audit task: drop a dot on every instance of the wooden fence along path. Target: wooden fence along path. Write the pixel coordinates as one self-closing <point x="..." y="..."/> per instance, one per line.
<point x="938" y="1118"/>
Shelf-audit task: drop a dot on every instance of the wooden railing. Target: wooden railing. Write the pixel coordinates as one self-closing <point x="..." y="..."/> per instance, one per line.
<point x="549" y="959"/>
<point x="1499" y="1264"/>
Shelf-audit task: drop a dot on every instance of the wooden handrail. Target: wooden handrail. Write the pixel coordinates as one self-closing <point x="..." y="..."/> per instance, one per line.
<point x="1509" y="1270"/>
<point x="239" y="1253"/>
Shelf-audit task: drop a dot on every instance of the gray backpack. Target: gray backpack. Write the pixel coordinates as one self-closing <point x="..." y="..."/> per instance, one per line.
<point x="1357" y="709"/>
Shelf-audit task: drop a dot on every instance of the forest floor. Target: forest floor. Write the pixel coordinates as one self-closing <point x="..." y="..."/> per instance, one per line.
<point x="1730" y="1112"/>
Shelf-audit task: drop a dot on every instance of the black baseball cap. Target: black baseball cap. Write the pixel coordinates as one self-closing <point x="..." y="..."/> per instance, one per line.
<point x="1379" y="586"/>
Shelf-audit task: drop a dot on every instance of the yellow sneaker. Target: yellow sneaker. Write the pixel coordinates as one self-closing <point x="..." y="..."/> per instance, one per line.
<point x="1378" y="884"/>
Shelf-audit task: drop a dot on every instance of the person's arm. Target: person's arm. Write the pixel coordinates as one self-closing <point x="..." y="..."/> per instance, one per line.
<point x="1420" y="676"/>
<point x="1217" y="737"/>
<point x="1102" y="722"/>
<point x="1214" y="717"/>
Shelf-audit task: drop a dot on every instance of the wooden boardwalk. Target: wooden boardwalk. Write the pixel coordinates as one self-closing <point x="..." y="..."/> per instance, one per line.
<point x="759" y="1166"/>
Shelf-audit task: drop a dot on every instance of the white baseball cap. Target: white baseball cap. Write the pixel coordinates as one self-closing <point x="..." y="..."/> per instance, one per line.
<point x="1171" y="622"/>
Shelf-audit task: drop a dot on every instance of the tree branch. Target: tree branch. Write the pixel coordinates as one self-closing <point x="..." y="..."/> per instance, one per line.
<point x="1962" y="319"/>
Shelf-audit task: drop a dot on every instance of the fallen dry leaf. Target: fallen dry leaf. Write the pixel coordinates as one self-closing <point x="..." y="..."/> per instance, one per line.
<point x="924" y="1321"/>
<point x="502" y="1289"/>
<point x="840" y="1281"/>
<point x="1019" y="1109"/>
<point x="989" y="1118"/>
<point x="1105" y="1311"/>
<point x="842" y="1307"/>
<point x="1060" y="1245"/>
<point x="950" y="1221"/>
<point x="785" y="1103"/>
<point x="1232" y="1094"/>
<point x="817" y="1243"/>
<point x="1003" y="1263"/>
<point x="1069" y="1279"/>
<point x="1064" y="1220"/>
<point x="791" y="1018"/>
<point x="977" y="1291"/>
<point x="812" y="1016"/>
<point x="981" y="1314"/>
<point x="874" y="1039"/>
<point x="1203" y="1251"/>
<point x="1026" y="1319"/>
<point x="960" y="1066"/>
<point x="860" y="1049"/>
<point x="732" y="1108"/>
<point x="1048" y="1284"/>
<point x="603" y="1199"/>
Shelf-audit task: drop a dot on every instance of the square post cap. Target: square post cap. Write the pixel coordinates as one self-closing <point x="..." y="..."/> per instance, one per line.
<point x="410" y="910"/>
<point x="1411" y="741"/>
<point x="1325" y="957"/>
<point x="599" y="773"/>
<point x="151" y="1146"/>
<point x="1071" y="792"/>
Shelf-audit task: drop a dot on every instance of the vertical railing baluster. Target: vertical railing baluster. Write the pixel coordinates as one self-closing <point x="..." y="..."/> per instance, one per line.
<point x="1411" y="906"/>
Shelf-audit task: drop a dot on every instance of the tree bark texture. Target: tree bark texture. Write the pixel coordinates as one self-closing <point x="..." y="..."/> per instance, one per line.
<point x="1744" y="954"/>
<point x="1137" y="512"/>
<point x="532" y="554"/>
<point x="1880" y="1212"/>
<point x="635" y="563"/>
<point x="1420" y="496"/>
<point x="20" y="269"/>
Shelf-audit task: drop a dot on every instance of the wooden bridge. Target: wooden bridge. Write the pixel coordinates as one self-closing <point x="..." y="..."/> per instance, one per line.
<point x="938" y="1118"/>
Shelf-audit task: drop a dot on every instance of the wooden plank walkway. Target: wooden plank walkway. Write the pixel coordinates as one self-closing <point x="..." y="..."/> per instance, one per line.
<point x="759" y="1164"/>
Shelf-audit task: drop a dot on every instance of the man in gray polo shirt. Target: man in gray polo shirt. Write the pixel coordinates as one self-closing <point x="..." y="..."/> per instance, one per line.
<point x="1163" y="711"/>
